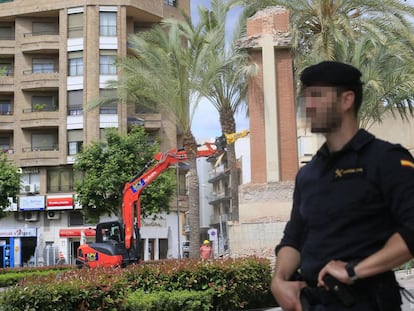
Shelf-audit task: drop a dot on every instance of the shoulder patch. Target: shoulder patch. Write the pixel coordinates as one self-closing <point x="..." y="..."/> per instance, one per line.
<point x="407" y="163"/>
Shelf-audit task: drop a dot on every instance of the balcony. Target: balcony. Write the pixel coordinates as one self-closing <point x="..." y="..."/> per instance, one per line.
<point x="45" y="42"/>
<point x="36" y="157"/>
<point x="40" y="80"/>
<point x="7" y="83"/>
<point x="218" y="174"/>
<point x="152" y="121"/>
<point x="40" y="156"/>
<point x="6" y="120"/>
<point x="217" y="198"/>
<point x="7" y="46"/>
<point x="45" y="117"/>
<point x="9" y="152"/>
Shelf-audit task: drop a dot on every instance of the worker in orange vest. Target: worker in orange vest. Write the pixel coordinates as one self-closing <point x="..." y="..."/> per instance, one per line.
<point x="206" y="250"/>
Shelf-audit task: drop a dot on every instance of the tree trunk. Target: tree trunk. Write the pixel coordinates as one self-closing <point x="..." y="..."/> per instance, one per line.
<point x="190" y="147"/>
<point x="228" y="126"/>
<point x="234" y="181"/>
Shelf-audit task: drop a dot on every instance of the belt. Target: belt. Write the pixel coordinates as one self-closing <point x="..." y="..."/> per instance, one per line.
<point x="311" y="296"/>
<point x="347" y="295"/>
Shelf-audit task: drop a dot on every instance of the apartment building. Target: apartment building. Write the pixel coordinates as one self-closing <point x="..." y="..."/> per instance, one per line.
<point x="55" y="57"/>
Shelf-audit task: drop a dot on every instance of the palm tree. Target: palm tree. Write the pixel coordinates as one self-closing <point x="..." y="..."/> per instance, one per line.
<point x="164" y="72"/>
<point x="375" y="36"/>
<point x="224" y="79"/>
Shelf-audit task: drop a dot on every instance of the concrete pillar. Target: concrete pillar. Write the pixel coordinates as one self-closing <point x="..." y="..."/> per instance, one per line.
<point x="146" y="252"/>
<point x="156" y="249"/>
<point x="271" y="97"/>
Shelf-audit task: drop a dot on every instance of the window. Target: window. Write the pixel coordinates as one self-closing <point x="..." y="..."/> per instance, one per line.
<point x="44" y="141"/>
<point x="75" y="141"/>
<point x="75" y="25"/>
<point x="111" y="107"/>
<point x="44" y="103"/>
<point x="76" y="218"/>
<point x="4" y="143"/>
<point x="75" y="103"/>
<point x="146" y="108"/>
<point x="43" y="65"/>
<point x="60" y="179"/>
<point x="75" y="64"/>
<point x="6" y="107"/>
<point x="45" y="28"/>
<point x="171" y="2"/>
<point x="6" y="67"/>
<point x="6" y="31"/>
<point x="107" y="63"/>
<point x="107" y="24"/>
<point x="31" y="176"/>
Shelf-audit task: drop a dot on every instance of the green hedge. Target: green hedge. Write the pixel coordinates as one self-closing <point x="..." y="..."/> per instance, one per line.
<point x="12" y="276"/>
<point x="169" y="301"/>
<point x="234" y="284"/>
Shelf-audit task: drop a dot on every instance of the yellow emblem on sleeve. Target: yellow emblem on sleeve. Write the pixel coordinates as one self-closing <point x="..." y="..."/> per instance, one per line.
<point x="407" y="163"/>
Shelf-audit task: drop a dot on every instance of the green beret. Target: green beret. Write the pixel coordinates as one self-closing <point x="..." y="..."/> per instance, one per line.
<point x="329" y="73"/>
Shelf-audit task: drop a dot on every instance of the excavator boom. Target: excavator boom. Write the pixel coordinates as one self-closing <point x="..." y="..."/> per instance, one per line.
<point x="133" y="189"/>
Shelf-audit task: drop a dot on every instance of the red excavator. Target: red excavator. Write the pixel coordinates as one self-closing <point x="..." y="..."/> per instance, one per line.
<point x="118" y="242"/>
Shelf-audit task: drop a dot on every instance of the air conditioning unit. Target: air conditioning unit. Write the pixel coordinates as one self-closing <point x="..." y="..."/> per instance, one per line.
<point x="19" y="216"/>
<point x="31" y="216"/>
<point x="52" y="215"/>
<point x="31" y="188"/>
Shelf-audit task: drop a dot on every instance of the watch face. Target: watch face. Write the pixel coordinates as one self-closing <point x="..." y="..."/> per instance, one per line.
<point x="349" y="267"/>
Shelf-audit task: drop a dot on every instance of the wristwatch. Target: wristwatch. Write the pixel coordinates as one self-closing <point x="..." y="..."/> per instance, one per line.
<point x="350" y="269"/>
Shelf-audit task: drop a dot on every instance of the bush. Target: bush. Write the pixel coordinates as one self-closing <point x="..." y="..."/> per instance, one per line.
<point x="170" y="301"/>
<point x="12" y="276"/>
<point x="230" y="284"/>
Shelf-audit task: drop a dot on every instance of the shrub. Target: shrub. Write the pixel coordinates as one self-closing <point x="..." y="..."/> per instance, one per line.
<point x="169" y="301"/>
<point x="233" y="284"/>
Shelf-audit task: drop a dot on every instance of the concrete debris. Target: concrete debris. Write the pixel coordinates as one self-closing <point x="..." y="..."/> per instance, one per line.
<point x="271" y="10"/>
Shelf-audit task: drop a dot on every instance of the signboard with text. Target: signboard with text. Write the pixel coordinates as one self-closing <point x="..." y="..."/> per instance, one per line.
<point x="32" y="203"/>
<point x="59" y="202"/>
<point x="18" y="232"/>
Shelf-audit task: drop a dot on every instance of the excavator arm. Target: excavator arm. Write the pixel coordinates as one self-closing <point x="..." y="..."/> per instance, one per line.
<point x="133" y="189"/>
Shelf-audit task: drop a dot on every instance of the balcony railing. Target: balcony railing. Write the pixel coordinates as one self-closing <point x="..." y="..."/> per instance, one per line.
<point x="6" y="72"/>
<point x="42" y="33"/>
<point x="40" y="71"/>
<point x="6" y="113"/>
<point x="7" y="150"/>
<point x="53" y="147"/>
<point x="40" y="108"/>
<point x="76" y="110"/>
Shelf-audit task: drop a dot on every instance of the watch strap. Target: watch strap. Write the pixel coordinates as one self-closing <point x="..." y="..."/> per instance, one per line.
<point x="350" y="269"/>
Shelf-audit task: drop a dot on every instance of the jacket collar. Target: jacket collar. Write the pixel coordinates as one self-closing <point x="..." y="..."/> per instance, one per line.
<point x="360" y="139"/>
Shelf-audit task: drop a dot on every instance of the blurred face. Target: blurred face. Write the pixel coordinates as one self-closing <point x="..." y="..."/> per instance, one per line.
<point x="322" y="105"/>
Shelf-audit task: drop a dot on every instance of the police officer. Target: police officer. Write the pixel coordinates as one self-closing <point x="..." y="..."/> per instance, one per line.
<point x="352" y="219"/>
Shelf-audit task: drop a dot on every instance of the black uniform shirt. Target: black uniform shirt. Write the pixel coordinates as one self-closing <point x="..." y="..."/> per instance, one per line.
<point x="347" y="204"/>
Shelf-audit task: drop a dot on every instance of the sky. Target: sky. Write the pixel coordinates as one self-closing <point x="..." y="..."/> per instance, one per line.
<point x="206" y="123"/>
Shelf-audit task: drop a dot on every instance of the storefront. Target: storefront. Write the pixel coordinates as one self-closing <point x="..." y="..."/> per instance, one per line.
<point x="71" y="238"/>
<point x="17" y="246"/>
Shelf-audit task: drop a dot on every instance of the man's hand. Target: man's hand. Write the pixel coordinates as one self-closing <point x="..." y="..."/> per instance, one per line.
<point x="287" y="293"/>
<point x="335" y="268"/>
